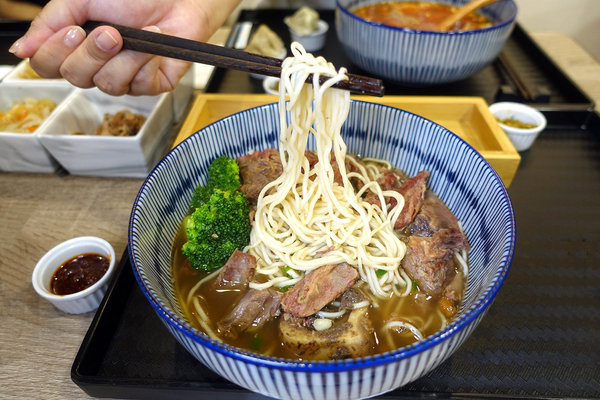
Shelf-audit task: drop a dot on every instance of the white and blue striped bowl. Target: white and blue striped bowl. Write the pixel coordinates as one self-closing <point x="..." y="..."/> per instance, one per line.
<point x="418" y="58"/>
<point x="460" y="175"/>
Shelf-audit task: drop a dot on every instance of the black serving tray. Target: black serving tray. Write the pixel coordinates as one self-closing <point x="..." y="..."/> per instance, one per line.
<point x="546" y="86"/>
<point x="540" y="338"/>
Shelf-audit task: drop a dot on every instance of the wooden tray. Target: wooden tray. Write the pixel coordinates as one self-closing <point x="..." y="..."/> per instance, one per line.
<point x="468" y="117"/>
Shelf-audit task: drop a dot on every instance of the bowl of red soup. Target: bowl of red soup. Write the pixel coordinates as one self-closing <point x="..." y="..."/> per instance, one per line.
<point x="402" y="41"/>
<point x="295" y="322"/>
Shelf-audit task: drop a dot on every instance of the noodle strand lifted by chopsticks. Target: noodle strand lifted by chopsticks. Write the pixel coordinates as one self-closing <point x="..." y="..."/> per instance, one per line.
<point x="305" y="220"/>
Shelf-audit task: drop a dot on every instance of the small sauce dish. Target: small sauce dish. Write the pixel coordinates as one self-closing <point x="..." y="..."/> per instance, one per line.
<point x="313" y="41"/>
<point x="271" y="85"/>
<point x="521" y="122"/>
<point x="87" y="299"/>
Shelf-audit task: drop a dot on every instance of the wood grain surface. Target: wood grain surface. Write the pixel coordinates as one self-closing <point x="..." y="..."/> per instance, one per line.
<point x="38" y="343"/>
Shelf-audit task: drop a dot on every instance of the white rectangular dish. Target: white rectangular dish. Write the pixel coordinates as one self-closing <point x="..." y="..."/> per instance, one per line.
<point x="116" y="156"/>
<point x="22" y="74"/>
<point x="22" y="152"/>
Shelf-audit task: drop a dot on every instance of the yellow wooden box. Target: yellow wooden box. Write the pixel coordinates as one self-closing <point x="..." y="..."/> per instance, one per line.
<point x="468" y="117"/>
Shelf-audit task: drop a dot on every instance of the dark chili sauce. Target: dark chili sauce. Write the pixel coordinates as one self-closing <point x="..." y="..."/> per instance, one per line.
<point x="78" y="273"/>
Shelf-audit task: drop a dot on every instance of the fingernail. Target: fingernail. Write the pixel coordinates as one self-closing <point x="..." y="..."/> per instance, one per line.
<point x="16" y="46"/>
<point x="74" y="36"/>
<point x="152" y="28"/>
<point x="106" y="41"/>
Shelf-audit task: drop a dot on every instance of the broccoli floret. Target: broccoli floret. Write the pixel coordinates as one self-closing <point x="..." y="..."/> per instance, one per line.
<point x="200" y="196"/>
<point x="216" y="228"/>
<point x="223" y="173"/>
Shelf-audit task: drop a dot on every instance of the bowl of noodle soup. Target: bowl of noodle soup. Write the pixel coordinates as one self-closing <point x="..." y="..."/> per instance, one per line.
<point x="422" y="56"/>
<point x="459" y="175"/>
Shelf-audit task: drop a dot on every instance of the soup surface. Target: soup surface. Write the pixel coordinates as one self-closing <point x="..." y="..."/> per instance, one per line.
<point x="419" y="15"/>
<point x="391" y="321"/>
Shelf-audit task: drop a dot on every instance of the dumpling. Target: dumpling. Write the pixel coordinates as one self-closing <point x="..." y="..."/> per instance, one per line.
<point x="303" y="22"/>
<point x="266" y="42"/>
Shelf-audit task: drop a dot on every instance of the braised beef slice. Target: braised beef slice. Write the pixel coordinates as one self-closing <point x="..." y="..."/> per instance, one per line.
<point x="429" y="259"/>
<point x="254" y="309"/>
<point x="257" y="170"/>
<point x="318" y="288"/>
<point x="433" y="217"/>
<point x="237" y="272"/>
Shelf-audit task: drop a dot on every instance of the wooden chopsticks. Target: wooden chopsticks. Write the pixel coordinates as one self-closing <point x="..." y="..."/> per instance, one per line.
<point x="223" y="57"/>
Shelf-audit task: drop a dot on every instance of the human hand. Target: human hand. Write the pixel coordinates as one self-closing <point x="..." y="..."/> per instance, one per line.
<point x="58" y="47"/>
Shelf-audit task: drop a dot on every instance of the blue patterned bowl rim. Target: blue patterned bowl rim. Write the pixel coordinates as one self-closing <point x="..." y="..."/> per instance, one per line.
<point x="500" y="25"/>
<point x="467" y="317"/>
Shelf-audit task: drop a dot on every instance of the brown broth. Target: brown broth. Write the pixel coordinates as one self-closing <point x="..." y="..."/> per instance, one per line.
<point x="415" y="308"/>
<point x="419" y="15"/>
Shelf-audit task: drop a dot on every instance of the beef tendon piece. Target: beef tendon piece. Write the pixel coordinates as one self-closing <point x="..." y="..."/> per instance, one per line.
<point x="318" y="288"/>
<point x="348" y="339"/>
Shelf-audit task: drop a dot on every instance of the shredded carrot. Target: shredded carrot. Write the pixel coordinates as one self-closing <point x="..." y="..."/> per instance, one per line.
<point x="25" y="116"/>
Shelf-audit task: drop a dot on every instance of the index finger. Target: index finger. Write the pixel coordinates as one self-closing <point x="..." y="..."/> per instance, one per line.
<point x="55" y="16"/>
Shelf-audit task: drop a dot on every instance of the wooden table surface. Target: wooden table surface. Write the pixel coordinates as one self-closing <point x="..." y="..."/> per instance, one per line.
<point x="38" y="343"/>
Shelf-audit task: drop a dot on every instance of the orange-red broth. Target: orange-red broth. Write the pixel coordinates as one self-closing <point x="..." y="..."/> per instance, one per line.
<point x="419" y="15"/>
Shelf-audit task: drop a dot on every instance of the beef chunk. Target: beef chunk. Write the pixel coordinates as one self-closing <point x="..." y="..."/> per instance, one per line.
<point x="237" y="272"/>
<point x="312" y="158"/>
<point x="351" y="338"/>
<point x="412" y="189"/>
<point x="318" y="288"/>
<point x="433" y="217"/>
<point x="429" y="259"/>
<point x="254" y="309"/>
<point x="337" y="176"/>
<point x="257" y="170"/>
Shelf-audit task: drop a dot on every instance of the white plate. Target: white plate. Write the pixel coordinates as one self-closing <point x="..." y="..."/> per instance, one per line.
<point x="22" y="152"/>
<point x="88" y="154"/>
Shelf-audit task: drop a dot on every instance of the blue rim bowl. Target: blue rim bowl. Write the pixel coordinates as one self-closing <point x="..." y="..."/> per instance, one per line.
<point x="459" y="175"/>
<point x="422" y="58"/>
